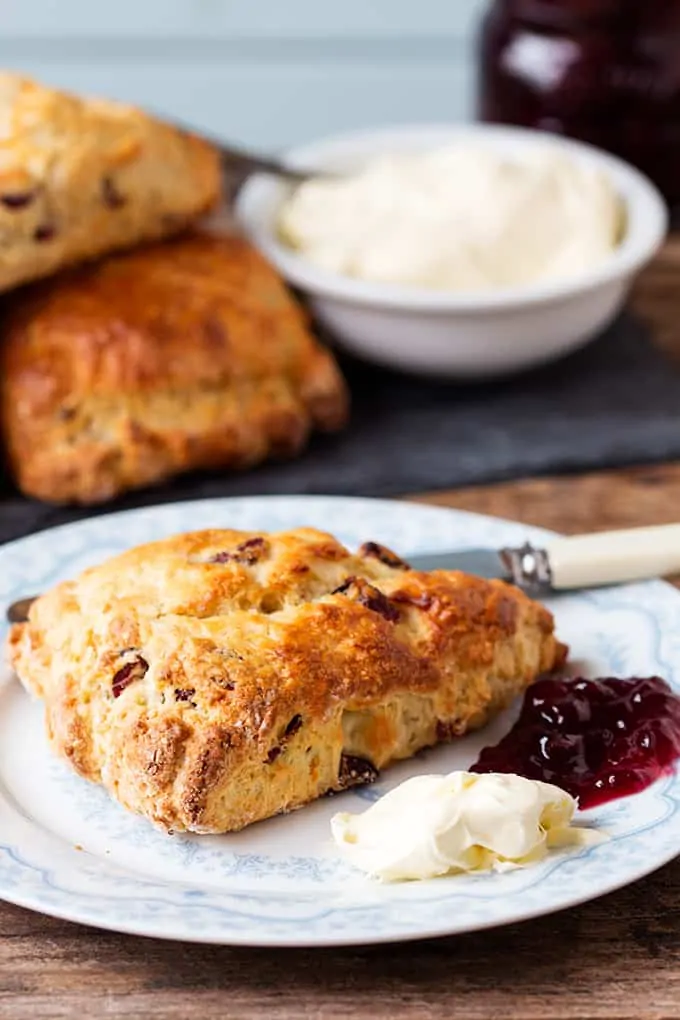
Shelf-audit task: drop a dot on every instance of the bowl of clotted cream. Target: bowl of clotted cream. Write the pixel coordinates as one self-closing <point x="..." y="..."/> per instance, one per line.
<point x="463" y="251"/>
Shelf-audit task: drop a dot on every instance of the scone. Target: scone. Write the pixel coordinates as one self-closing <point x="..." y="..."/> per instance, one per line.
<point x="216" y="678"/>
<point x="185" y="354"/>
<point x="79" y="177"/>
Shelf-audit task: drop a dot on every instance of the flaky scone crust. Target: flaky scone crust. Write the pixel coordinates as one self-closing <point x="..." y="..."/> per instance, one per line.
<point x="81" y="177"/>
<point x="216" y="678"/>
<point x="182" y="355"/>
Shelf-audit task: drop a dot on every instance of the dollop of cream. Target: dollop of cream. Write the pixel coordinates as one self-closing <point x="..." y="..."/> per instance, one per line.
<point x="463" y="822"/>
<point x="458" y="218"/>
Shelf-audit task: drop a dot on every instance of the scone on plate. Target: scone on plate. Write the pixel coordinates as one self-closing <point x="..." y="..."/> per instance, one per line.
<point x="181" y="355"/>
<point x="80" y="177"/>
<point x="217" y="678"/>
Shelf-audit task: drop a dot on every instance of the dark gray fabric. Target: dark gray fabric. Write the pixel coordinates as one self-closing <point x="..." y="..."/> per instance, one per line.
<point x="617" y="402"/>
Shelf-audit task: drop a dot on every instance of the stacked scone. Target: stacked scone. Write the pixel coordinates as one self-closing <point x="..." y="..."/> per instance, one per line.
<point x="185" y="352"/>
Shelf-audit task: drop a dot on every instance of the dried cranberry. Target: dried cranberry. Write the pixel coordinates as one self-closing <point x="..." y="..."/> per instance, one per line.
<point x="17" y="199"/>
<point x="127" y="674"/>
<point x="45" y="232"/>
<point x="378" y="552"/>
<point x="355" y="771"/>
<point x="222" y="557"/>
<point x="290" y="730"/>
<point x="293" y="726"/>
<point x="366" y="594"/>
<point x="445" y="731"/>
<point x="111" y="196"/>
<point x="248" y="552"/>
<point x="184" y="693"/>
<point x="253" y="548"/>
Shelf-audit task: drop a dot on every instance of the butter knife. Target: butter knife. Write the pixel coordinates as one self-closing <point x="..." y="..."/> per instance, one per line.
<point x="559" y="564"/>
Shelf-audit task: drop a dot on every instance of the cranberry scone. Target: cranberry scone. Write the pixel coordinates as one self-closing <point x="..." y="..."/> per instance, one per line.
<point x="178" y="356"/>
<point x="80" y="177"/>
<point x="216" y="678"/>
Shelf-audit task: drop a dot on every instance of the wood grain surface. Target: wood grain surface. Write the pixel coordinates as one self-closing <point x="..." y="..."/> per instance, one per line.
<point x="618" y="957"/>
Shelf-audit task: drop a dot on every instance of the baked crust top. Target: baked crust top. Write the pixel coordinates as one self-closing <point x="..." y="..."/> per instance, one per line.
<point x="181" y="663"/>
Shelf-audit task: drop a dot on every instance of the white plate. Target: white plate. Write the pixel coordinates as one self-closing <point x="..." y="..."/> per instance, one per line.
<point x="67" y="850"/>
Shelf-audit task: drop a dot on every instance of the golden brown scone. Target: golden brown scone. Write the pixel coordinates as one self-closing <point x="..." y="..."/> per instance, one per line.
<point x="182" y="355"/>
<point x="221" y="677"/>
<point x="80" y="177"/>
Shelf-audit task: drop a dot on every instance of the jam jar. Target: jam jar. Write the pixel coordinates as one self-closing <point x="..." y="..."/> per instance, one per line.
<point x="602" y="71"/>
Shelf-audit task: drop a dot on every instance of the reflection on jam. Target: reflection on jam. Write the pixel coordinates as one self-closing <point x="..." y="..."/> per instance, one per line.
<point x="596" y="739"/>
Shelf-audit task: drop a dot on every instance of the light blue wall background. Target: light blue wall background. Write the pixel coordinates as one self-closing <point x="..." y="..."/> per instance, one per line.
<point x="262" y="72"/>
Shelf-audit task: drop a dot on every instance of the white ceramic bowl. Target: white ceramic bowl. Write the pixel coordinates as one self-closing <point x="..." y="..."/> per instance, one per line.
<point x="463" y="335"/>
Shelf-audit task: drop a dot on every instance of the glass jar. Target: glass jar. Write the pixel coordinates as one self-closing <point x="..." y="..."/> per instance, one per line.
<point x="603" y="71"/>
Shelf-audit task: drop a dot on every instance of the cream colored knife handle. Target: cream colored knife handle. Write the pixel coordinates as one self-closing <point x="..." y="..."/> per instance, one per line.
<point x="610" y="557"/>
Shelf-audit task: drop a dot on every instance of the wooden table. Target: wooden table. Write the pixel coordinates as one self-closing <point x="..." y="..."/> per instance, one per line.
<point x="618" y="957"/>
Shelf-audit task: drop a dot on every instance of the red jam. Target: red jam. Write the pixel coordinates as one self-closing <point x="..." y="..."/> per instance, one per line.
<point x="596" y="739"/>
<point x="604" y="71"/>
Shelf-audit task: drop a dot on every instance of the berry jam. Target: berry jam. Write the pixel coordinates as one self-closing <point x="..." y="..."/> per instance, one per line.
<point x="596" y="739"/>
<point x="604" y="71"/>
